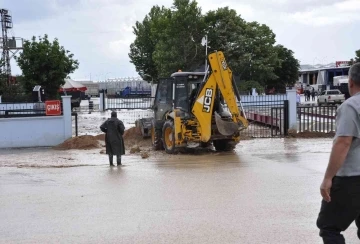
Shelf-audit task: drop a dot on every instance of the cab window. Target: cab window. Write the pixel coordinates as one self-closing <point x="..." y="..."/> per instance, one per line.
<point x="181" y="93"/>
<point x="164" y="91"/>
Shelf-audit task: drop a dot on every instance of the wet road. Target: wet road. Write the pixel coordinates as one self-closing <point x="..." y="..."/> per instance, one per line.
<point x="266" y="192"/>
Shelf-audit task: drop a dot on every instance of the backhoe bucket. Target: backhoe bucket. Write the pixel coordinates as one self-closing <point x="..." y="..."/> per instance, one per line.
<point x="226" y="128"/>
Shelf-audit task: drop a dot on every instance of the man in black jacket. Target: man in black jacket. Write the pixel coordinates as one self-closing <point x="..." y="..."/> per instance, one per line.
<point x="114" y="129"/>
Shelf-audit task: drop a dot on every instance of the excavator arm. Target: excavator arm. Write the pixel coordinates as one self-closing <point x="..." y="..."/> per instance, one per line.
<point x="219" y="79"/>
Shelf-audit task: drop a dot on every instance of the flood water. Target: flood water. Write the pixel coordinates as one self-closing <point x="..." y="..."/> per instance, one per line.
<point x="267" y="191"/>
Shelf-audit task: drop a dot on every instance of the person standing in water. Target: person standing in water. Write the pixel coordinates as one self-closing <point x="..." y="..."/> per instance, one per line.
<point x="114" y="130"/>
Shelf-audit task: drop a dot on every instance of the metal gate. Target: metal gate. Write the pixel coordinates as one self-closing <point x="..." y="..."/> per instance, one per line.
<point x="268" y="116"/>
<point x="316" y="118"/>
<point x="130" y="109"/>
<point x="129" y="103"/>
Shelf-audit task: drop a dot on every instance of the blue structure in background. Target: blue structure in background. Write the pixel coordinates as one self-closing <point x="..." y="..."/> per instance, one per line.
<point x="139" y="92"/>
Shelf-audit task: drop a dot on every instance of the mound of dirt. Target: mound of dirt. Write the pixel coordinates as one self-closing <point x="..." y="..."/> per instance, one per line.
<point x="309" y="134"/>
<point x="100" y="137"/>
<point x="132" y="133"/>
<point x="85" y="142"/>
<point x="131" y="137"/>
<point x="135" y="149"/>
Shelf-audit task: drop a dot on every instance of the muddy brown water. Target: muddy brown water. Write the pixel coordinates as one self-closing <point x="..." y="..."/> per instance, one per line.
<point x="267" y="191"/>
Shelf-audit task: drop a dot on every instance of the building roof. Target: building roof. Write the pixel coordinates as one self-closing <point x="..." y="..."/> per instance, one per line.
<point x="323" y="68"/>
<point x="187" y="73"/>
<point x="125" y="79"/>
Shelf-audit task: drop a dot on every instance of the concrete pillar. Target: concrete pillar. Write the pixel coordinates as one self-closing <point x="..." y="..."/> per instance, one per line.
<point x="0" y="98"/>
<point x="102" y="105"/>
<point x="291" y="96"/>
<point x="153" y="92"/>
<point x="67" y="116"/>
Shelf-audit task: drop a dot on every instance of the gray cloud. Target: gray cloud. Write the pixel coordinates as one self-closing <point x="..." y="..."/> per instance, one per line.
<point x="291" y="6"/>
<point x="99" y="32"/>
<point x="30" y="10"/>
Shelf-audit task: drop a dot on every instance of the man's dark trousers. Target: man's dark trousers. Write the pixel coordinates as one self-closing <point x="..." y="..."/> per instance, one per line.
<point x="118" y="159"/>
<point x="344" y="207"/>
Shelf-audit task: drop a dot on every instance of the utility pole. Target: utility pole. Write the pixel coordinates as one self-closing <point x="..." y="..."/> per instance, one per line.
<point x="8" y="45"/>
<point x="205" y="42"/>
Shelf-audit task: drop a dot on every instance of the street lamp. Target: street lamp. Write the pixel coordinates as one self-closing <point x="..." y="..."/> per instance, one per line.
<point x="205" y="42"/>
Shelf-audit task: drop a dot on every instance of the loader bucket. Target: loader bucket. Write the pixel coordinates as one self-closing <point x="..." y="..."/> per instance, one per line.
<point x="226" y="128"/>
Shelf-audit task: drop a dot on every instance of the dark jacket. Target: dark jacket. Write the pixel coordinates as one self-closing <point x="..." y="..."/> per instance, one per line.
<point x="114" y="129"/>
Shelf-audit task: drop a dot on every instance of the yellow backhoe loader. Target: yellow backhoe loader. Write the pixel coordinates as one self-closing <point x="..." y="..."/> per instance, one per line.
<point x="199" y="107"/>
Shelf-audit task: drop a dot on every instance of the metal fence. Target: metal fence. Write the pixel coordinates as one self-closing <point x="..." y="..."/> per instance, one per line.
<point x="316" y="118"/>
<point x="129" y="103"/>
<point x="13" y="110"/>
<point x="267" y="116"/>
<point x="88" y="108"/>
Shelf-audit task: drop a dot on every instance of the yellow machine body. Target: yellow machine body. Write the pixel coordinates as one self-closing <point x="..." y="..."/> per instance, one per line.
<point x="203" y="124"/>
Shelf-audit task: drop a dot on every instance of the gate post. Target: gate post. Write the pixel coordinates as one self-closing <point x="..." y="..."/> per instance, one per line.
<point x="291" y="97"/>
<point x="102" y="101"/>
<point x="66" y="101"/>
<point x="91" y="106"/>
<point x="286" y="117"/>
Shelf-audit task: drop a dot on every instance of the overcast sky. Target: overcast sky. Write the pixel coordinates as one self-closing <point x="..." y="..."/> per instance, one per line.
<point x="99" y="32"/>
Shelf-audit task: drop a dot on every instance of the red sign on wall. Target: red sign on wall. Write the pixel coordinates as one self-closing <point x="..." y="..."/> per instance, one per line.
<point x="342" y="63"/>
<point x="53" y="107"/>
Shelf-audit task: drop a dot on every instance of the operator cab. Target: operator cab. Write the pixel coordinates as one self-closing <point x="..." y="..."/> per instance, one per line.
<point x="186" y="86"/>
<point x="179" y="91"/>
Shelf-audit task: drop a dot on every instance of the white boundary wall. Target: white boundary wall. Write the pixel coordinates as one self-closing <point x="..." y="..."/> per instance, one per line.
<point x="37" y="131"/>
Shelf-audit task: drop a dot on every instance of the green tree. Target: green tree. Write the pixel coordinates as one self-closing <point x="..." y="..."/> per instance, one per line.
<point x="3" y="80"/>
<point x="247" y="86"/>
<point x="248" y="46"/>
<point x="288" y="71"/>
<point x="180" y="46"/>
<point x="357" y="58"/>
<point x="148" y="32"/>
<point x="45" y="63"/>
<point x="259" y="47"/>
<point x="225" y="32"/>
<point x="170" y="39"/>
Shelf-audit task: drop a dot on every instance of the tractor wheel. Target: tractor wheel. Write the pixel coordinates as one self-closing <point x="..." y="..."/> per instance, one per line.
<point x="224" y="145"/>
<point x="168" y="134"/>
<point x="156" y="138"/>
